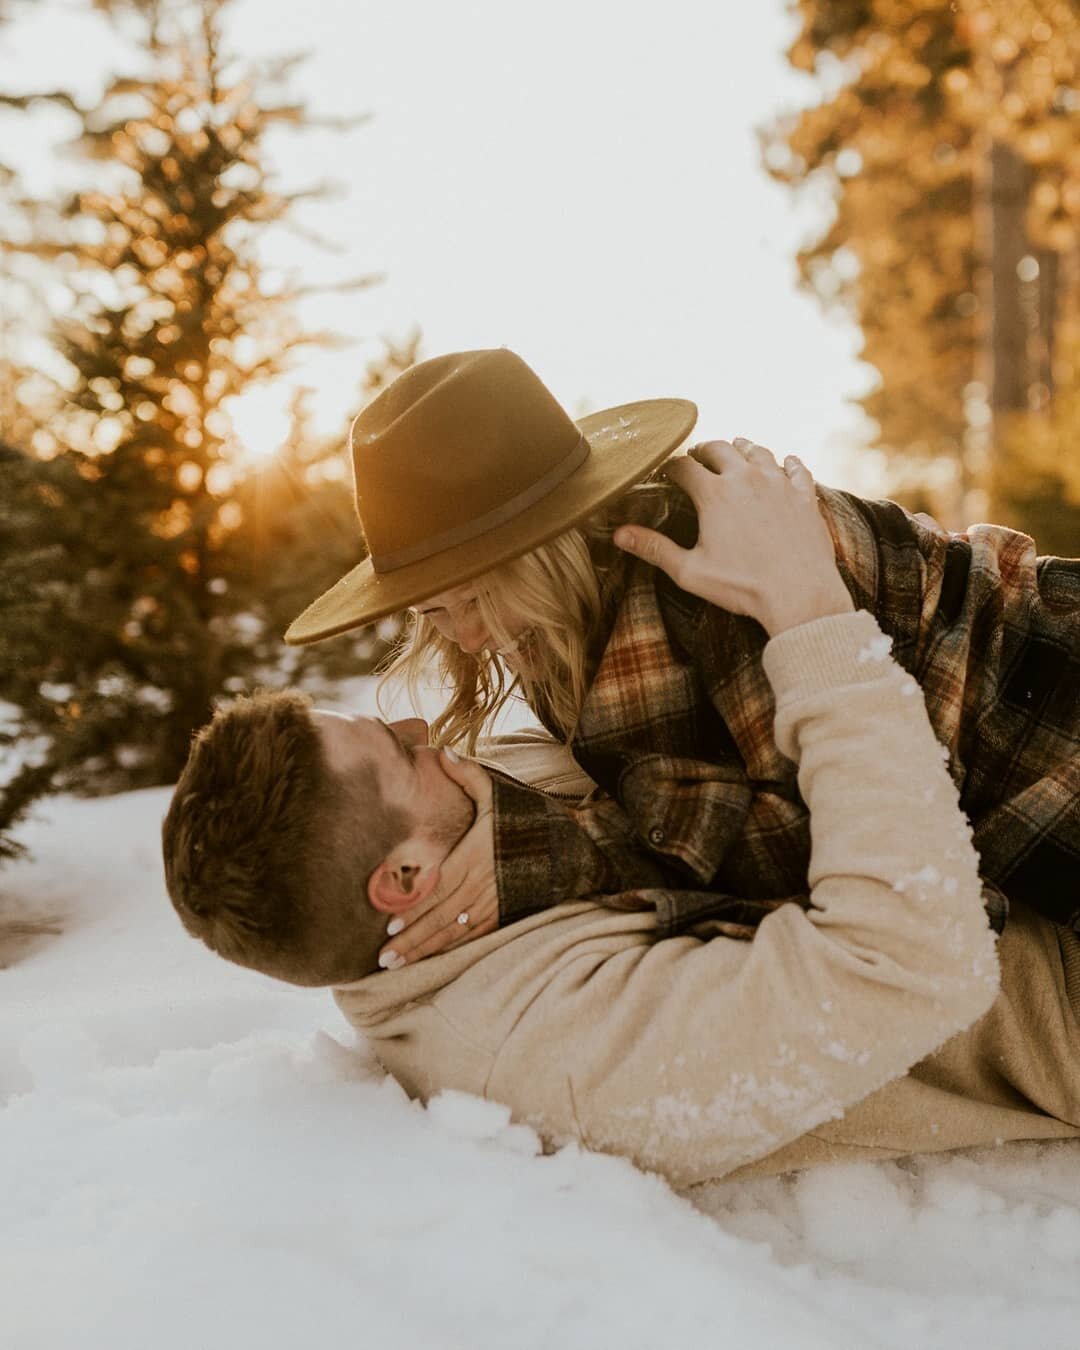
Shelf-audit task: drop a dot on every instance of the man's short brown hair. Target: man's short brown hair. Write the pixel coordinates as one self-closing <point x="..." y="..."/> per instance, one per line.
<point x="266" y="859"/>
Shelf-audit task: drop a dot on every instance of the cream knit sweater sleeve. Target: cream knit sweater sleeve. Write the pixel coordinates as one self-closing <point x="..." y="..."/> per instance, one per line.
<point x="696" y="1057"/>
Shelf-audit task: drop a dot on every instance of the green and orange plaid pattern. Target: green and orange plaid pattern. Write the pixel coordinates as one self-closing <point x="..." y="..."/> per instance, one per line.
<point x="700" y="815"/>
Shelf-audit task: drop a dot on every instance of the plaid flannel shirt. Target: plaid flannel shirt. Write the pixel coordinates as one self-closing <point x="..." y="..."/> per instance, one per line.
<point x="700" y="815"/>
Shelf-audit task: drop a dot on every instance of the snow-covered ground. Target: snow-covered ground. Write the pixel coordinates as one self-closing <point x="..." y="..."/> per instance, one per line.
<point x="197" y="1157"/>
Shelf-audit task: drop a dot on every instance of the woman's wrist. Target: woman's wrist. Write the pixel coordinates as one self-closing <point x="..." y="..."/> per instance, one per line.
<point x="826" y="653"/>
<point x="793" y="611"/>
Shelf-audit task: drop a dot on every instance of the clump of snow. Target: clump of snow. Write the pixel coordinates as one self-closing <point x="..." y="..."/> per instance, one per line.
<point x="877" y="649"/>
<point x="971" y="1250"/>
<point x="853" y="1212"/>
<point x="468" y="1116"/>
<point x="471" y="1117"/>
<point x="199" y="1156"/>
<point x="919" y="882"/>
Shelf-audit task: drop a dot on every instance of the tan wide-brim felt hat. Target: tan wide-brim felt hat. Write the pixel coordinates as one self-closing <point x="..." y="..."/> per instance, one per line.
<point x="467" y="461"/>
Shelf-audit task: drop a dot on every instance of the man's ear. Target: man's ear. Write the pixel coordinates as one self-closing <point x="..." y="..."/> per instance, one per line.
<point x="398" y="883"/>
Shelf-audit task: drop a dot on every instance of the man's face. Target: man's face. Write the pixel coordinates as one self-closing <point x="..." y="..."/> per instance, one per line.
<point x="409" y="771"/>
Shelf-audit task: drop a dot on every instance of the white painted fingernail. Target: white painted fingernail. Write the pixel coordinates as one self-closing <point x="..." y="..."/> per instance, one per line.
<point x="391" y="960"/>
<point x="452" y="755"/>
<point x="394" y="927"/>
<point x="385" y="959"/>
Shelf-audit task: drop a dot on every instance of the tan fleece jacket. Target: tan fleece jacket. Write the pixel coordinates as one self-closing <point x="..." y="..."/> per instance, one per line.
<point x="696" y="1058"/>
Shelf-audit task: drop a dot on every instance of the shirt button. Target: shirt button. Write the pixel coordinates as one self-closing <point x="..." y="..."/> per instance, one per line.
<point x="656" y="836"/>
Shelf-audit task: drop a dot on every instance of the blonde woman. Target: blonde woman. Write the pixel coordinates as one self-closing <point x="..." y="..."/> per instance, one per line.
<point x="547" y="558"/>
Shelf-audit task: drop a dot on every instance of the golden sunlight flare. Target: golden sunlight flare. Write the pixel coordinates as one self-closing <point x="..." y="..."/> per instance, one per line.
<point x="260" y="420"/>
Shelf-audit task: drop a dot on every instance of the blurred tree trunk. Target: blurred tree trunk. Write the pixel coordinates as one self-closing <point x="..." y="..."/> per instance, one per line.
<point x="948" y="136"/>
<point x="1009" y="185"/>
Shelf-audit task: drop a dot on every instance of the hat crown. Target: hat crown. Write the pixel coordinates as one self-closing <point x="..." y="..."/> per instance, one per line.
<point x="465" y="463"/>
<point x="455" y="446"/>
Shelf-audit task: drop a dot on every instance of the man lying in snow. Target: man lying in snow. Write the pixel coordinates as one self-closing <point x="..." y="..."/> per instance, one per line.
<point x="293" y="835"/>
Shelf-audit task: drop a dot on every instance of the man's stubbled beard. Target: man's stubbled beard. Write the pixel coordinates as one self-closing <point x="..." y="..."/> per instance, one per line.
<point x="448" y="827"/>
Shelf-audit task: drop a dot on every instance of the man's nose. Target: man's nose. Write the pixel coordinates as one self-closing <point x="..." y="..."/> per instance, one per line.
<point x="411" y="731"/>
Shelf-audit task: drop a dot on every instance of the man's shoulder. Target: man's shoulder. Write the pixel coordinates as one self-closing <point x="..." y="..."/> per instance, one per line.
<point x="662" y="506"/>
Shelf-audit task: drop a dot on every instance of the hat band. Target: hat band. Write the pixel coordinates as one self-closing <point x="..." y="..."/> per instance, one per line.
<point x="490" y="520"/>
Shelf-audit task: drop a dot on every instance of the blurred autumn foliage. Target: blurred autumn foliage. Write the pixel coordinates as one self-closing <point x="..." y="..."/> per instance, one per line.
<point x="948" y="138"/>
<point x="148" y="563"/>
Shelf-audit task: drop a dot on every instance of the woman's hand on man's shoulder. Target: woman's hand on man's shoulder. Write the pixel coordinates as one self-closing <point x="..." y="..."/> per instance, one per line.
<point x="763" y="548"/>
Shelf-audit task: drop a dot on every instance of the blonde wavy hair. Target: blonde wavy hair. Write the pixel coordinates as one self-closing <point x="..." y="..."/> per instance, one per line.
<point x="558" y="591"/>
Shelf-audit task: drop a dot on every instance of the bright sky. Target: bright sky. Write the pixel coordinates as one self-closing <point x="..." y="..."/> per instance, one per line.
<point x="578" y="180"/>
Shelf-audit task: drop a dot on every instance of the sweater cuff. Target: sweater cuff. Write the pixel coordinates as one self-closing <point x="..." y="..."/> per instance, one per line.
<point x="840" y="649"/>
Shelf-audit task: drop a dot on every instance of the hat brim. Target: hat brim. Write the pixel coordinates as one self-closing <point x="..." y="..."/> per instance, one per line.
<point x="625" y="444"/>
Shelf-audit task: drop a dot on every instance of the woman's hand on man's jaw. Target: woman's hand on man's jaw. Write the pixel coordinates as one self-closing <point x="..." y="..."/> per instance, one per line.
<point x="763" y="548"/>
<point x="465" y="903"/>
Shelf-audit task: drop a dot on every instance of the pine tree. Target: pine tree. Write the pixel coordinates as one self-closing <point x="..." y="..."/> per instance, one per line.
<point x="170" y="317"/>
<point x="921" y="98"/>
<point x="25" y="563"/>
<point x="27" y="558"/>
